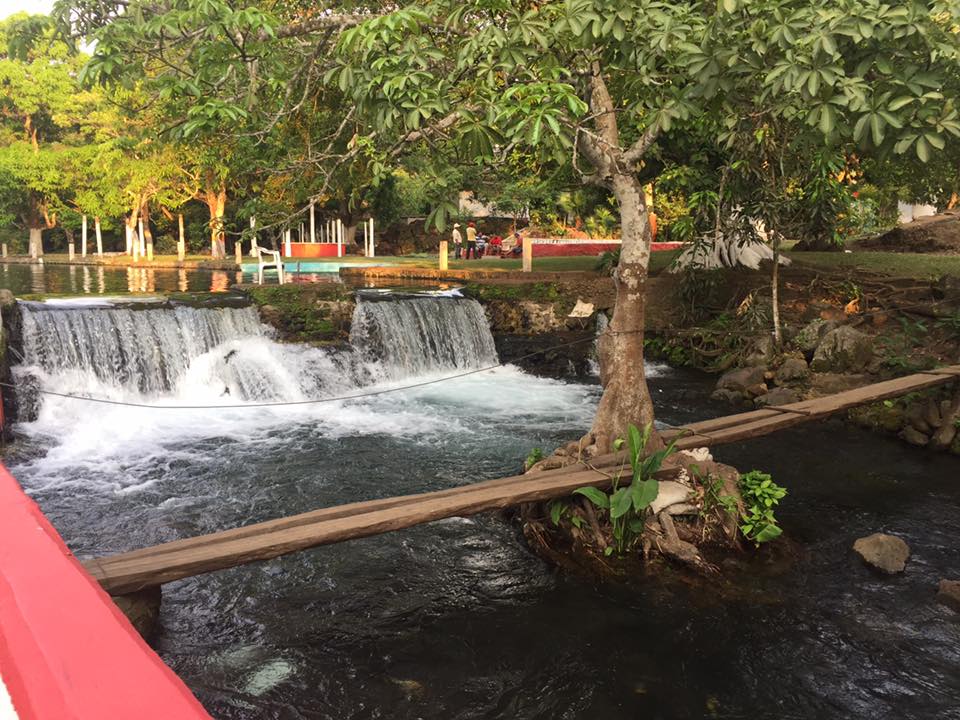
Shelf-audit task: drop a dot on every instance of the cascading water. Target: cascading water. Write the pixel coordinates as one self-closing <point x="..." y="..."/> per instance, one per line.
<point x="145" y="350"/>
<point x="225" y="355"/>
<point x="423" y="335"/>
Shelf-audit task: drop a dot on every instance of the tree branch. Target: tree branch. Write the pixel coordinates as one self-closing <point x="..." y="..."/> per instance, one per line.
<point x="635" y="152"/>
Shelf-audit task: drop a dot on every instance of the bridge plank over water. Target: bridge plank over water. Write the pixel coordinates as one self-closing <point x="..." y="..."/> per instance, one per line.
<point x="135" y="570"/>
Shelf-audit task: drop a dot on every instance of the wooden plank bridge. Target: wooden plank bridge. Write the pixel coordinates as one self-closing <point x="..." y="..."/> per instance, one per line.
<point x="132" y="571"/>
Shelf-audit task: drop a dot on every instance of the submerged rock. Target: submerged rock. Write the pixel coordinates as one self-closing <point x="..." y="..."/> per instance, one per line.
<point x="843" y="350"/>
<point x="948" y="593"/>
<point x="886" y="553"/>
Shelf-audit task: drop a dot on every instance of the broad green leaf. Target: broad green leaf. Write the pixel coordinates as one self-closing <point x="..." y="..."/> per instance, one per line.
<point x="594" y="495"/>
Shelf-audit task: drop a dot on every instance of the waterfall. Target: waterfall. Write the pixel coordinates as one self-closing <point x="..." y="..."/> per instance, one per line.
<point x="147" y="350"/>
<point x="217" y="356"/>
<point x="423" y="335"/>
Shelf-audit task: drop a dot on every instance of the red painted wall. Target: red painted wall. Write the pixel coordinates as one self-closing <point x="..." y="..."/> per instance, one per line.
<point x="313" y="250"/>
<point x="593" y="248"/>
<point x="66" y="651"/>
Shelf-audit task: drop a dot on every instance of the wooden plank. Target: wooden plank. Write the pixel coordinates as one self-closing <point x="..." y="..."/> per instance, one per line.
<point x="819" y="407"/>
<point x="128" y="572"/>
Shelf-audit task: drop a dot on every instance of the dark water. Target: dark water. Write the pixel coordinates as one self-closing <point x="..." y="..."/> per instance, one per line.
<point x="458" y="620"/>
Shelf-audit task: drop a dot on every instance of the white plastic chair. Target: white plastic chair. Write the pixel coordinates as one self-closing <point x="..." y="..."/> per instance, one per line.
<point x="269" y="258"/>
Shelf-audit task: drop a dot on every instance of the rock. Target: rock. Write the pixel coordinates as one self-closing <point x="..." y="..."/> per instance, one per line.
<point x="762" y="351"/>
<point x="794" y="370"/>
<point x="916" y="419"/>
<point x="931" y="413"/>
<point x="741" y="379"/>
<point x="831" y="383"/>
<point x="731" y="396"/>
<point x="539" y="317"/>
<point x="700" y="454"/>
<point x="914" y="436"/>
<point x="943" y="437"/>
<point x="948" y="593"/>
<point x="6" y="298"/>
<point x="670" y="493"/>
<point x="886" y="553"/>
<point x="142" y="609"/>
<point x="809" y="337"/>
<point x="843" y="350"/>
<point x="777" y="396"/>
<point x="756" y="390"/>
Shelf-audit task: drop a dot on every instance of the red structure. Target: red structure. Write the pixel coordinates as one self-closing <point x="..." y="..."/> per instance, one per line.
<point x="313" y="250"/>
<point x="557" y="248"/>
<point x="66" y="651"/>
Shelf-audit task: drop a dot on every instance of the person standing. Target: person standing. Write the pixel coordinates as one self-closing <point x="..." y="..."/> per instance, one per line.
<point x="457" y="241"/>
<point x="471" y="240"/>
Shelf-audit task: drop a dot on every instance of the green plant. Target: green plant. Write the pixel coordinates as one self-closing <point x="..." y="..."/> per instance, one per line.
<point x="608" y="262"/>
<point x="533" y="457"/>
<point x="627" y="505"/>
<point x="760" y="496"/>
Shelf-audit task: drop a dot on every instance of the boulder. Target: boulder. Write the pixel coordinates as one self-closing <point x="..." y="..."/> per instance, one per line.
<point x="915" y="418"/>
<point x="794" y="370"/>
<point x="831" y="383"/>
<point x="741" y="379"/>
<point x="943" y="437"/>
<point x="948" y="593"/>
<point x="886" y="553"/>
<point x="810" y="335"/>
<point x="777" y="396"/>
<point x="734" y="397"/>
<point x="844" y="349"/>
<point x="762" y="351"/>
<point x="931" y="413"/>
<point x="6" y="298"/>
<point x="914" y="436"/>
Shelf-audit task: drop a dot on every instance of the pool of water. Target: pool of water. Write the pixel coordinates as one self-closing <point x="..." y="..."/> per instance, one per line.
<point x="457" y="619"/>
<point x="104" y="280"/>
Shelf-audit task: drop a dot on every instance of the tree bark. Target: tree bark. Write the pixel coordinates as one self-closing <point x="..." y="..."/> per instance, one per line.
<point x="216" y="199"/>
<point x="147" y="239"/>
<point x="36" y="242"/>
<point x="349" y="235"/>
<point x="626" y="398"/>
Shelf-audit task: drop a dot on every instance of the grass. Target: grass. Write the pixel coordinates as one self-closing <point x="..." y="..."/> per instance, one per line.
<point x="918" y="265"/>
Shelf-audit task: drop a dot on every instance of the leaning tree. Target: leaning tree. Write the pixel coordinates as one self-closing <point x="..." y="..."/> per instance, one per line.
<point x="597" y="82"/>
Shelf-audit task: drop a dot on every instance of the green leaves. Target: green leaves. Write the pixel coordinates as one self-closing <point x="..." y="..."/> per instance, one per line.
<point x="594" y="495"/>
<point x="760" y="496"/>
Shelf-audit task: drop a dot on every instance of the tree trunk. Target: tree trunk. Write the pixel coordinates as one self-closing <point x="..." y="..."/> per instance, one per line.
<point x="349" y="235"/>
<point x="36" y="242"/>
<point x="96" y="229"/>
<point x="626" y="398"/>
<point x="216" y="200"/>
<point x="133" y="239"/>
<point x="147" y="240"/>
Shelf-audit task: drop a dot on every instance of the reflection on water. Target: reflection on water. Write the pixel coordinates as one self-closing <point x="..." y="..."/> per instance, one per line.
<point x="99" y="280"/>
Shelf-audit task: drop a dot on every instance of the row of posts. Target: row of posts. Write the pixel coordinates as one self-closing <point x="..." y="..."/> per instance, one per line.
<point x="331" y="231"/>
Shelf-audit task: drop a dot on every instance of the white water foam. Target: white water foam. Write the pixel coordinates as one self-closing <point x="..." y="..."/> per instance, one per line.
<point x="233" y="360"/>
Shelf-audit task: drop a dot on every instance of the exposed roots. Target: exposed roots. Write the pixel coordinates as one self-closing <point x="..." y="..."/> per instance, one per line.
<point x="696" y="512"/>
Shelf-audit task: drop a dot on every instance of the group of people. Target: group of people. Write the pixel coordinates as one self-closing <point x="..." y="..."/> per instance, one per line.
<point x="478" y="244"/>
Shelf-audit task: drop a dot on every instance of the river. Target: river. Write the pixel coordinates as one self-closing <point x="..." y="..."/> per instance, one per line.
<point x="457" y="619"/>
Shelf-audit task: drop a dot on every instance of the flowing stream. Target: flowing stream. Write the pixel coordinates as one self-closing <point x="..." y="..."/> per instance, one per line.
<point x="457" y="619"/>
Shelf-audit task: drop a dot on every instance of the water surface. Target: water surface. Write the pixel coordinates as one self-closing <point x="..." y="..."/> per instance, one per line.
<point x="457" y="619"/>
